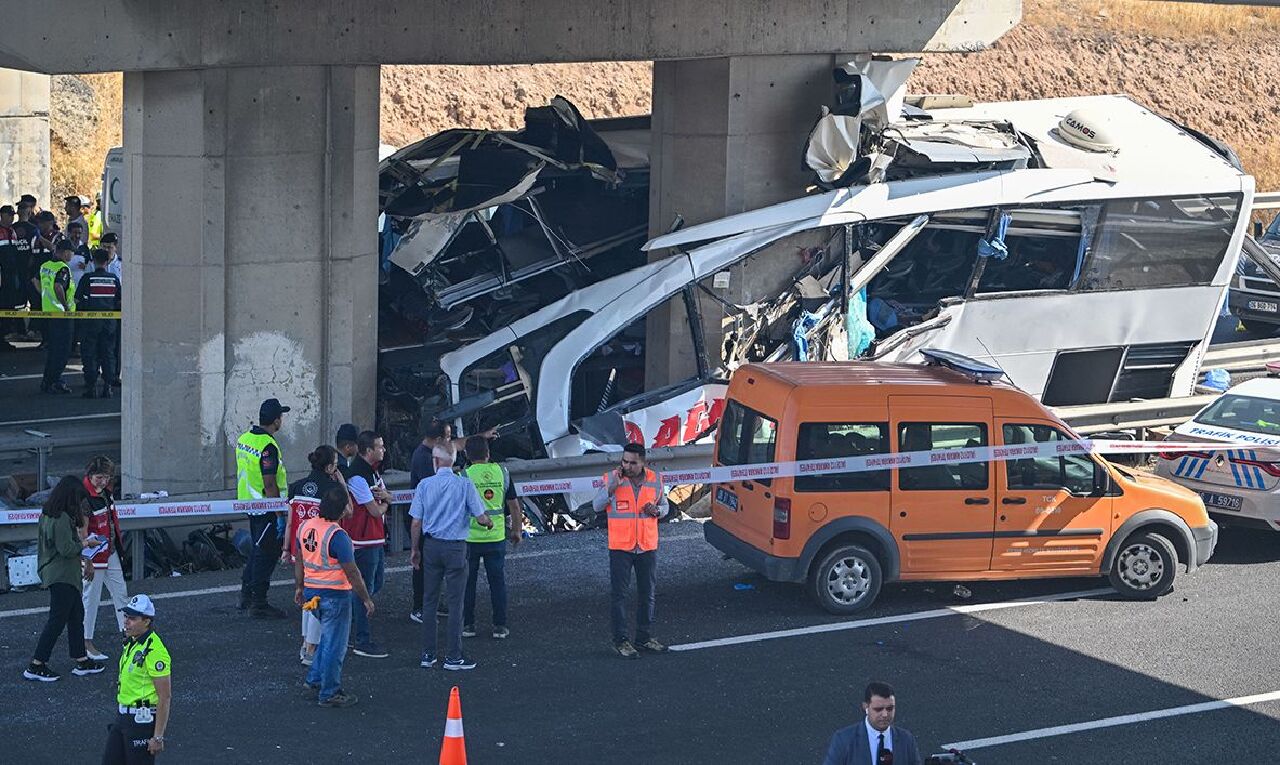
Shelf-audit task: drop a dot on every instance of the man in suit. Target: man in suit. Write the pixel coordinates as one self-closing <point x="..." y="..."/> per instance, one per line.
<point x="876" y="741"/>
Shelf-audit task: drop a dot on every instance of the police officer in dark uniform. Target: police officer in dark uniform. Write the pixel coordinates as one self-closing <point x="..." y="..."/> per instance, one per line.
<point x="144" y="695"/>
<point x="98" y="290"/>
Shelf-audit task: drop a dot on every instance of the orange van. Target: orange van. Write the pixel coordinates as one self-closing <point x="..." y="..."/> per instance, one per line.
<point x="845" y="534"/>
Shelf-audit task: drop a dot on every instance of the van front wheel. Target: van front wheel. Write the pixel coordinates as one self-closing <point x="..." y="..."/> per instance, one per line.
<point x="846" y="580"/>
<point x="1144" y="567"/>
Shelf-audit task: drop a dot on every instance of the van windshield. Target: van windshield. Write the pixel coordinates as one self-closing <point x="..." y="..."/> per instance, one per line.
<point x="746" y="437"/>
<point x="1247" y="413"/>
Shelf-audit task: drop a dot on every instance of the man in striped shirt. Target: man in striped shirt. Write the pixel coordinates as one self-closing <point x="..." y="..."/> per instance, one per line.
<point x="99" y="290"/>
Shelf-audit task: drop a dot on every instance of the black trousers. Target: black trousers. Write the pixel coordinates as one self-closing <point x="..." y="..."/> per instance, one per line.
<point x="645" y="564"/>
<point x="58" y="335"/>
<point x="127" y="742"/>
<point x="416" y="573"/>
<point x="66" y="612"/>
<point x="262" y="558"/>
<point x="98" y="350"/>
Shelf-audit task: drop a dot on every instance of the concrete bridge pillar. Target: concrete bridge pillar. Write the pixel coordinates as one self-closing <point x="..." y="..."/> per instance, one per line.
<point x="728" y="137"/>
<point x="250" y="260"/>
<point x="24" y="137"/>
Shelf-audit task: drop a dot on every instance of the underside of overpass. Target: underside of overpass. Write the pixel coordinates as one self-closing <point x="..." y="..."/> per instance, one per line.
<point x="251" y="137"/>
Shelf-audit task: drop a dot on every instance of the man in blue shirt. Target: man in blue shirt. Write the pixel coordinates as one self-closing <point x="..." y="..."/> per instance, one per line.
<point x="442" y="507"/>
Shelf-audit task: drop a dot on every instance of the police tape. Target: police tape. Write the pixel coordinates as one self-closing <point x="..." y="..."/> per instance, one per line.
<point x="877" y="462"/>
<point x="193" y="509"/>
<point x="10" y="314"/>
<point x="708" y="475"/>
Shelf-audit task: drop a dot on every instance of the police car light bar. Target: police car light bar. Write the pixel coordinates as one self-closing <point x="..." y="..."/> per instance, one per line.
<point x="979" y="371"/>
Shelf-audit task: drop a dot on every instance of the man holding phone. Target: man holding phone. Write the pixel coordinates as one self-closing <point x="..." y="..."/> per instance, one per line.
<point x="633" y="499"/>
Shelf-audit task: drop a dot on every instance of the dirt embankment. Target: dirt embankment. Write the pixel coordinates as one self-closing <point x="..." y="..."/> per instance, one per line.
<point x="1214" y="68"/>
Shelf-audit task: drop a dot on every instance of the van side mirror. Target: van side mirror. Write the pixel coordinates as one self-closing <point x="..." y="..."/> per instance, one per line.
<point x="1103" y="484"/>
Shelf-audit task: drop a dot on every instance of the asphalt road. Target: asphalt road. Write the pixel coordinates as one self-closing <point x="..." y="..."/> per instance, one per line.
<point x="554" y="691"/>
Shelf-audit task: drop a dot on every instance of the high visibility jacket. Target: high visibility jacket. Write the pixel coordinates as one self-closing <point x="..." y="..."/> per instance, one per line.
<point x="491" y="482"/>
<point x="95" y="228"/>
<point x="48" y="297"/>
<point x="249" y="483"/>
<point x="630" y="528"/>
<point x="320" y="570"/>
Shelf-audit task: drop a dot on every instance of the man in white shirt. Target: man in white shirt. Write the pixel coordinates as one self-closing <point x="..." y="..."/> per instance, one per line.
<point x="877" y="741"/>
<point x="111" y="243"/>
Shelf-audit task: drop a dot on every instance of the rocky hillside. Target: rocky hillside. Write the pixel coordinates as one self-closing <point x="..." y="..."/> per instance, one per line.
<point x="1215" y="68"/>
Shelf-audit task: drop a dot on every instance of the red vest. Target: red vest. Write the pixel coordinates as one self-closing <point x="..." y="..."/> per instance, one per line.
<point x="630" y="528"/>
<point x="303" y="509"/>
<point x="320" y="570"/>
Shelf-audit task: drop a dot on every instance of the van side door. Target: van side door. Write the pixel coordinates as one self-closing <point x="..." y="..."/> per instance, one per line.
<point x="1049" y="516"/>
<point x="943" y="512"/>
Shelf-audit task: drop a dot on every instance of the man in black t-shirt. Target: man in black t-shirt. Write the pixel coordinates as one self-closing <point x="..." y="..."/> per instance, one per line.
<point x="25" y="233"/>
<point x="11" y="269"/>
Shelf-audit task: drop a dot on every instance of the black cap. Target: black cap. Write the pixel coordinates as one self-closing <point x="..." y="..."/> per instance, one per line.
<point x="270" y="410"/>
<point x="347" y="433"/>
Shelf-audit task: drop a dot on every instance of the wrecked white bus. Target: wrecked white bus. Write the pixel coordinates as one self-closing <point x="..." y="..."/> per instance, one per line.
<point x="1090" y="273"/>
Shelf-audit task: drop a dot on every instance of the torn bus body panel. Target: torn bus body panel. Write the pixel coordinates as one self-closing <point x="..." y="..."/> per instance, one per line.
<point x="1091" y="269"/>
<point x="483" y="227"/>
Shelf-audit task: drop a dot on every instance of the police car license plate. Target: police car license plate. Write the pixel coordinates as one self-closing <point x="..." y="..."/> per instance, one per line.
<point x="1221" y="501"/>
<point x="727" y="498"/>
<point x="1264" y="305"/>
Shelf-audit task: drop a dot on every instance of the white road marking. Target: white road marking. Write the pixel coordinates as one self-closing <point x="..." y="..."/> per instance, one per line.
<point x="896" y="619"/>
<point x="77" y="418"/>
<point x="1111" y="722"/>
<point x="38" y="375"/>
<point x="281" y="582"/>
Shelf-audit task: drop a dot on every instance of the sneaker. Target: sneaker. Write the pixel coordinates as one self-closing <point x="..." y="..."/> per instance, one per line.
<point x="266" y="611"/>
<point x="96" y="655"/>
<point x="416" y="615"/>
<point x="459" y="663"/>
<point x="40" y="673"/>
<point x="501" y="633"/>
<point x="370" y="651"/>
<point x="310" y="692"/>
<point x="87" y="666"/>
<point x="468" y="630"/>
<point x="442" y="610"/>
<point x="652" y="646"/>
<point x="428" y="661"/>
<point x="338" y="700"/>
<point x="626" y="650"/>
<point x="59" y="387"/>
<point x="306" y="658"/>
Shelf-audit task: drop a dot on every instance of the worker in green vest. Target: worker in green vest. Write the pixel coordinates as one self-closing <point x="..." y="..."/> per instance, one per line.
<point x="56" y="296"/>
<point x="493" y="483"/>
<point x="260" y="475"/>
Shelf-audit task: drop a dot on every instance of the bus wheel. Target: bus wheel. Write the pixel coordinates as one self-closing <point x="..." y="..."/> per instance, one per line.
<point x="846" y="580"/>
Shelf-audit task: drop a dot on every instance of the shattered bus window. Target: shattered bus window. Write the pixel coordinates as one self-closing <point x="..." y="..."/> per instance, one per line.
<point x="1169" y="242"/>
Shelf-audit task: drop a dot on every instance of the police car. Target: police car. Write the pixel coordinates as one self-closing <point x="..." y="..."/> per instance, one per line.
<point x="1240" y="487"/>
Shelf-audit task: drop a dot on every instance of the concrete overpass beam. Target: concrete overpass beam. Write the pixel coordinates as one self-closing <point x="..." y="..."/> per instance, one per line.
<point x="24" y="137"/>
<point x="728" y="136"/>
<point x="250" y="264"/>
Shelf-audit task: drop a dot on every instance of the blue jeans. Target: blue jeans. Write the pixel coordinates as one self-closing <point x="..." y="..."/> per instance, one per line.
<point x="334" y="614"/>
<point x="494" y="555"/>
<point x="372" y="564"/>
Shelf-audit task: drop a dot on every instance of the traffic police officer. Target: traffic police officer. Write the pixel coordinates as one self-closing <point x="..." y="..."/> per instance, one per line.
<point x="493" y="483"/>
<point x="137" y="735"/>
<point x="56" y="296"/>
<point x="260" y="474"/>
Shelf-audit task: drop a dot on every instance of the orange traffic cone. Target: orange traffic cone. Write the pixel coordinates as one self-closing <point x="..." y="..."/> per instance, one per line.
<point x="453" y="749"/>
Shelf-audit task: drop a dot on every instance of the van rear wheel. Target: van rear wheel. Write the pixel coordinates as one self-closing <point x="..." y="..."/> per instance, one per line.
<point x="1144" y="567"/>
<point x="845" y="580"/>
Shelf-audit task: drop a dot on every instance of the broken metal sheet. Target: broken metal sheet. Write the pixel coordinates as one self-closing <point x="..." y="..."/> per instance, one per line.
<point x="887" y="80"/>
<point x="889" y="200"/>
<point x="833" y="146"/>
<point x="431" y="233"/>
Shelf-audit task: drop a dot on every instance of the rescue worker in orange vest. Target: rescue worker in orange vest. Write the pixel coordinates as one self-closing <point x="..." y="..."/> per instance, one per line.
<point x="633" y="498"/>
<point x="325" y="573"/>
